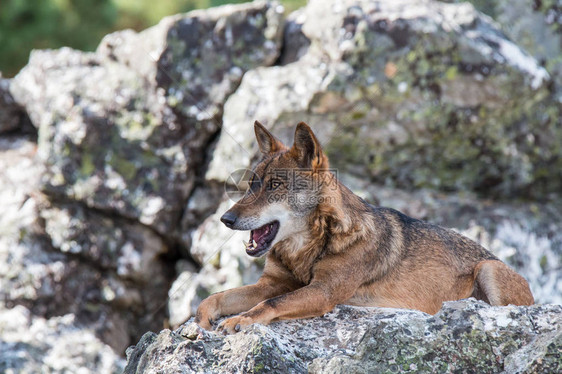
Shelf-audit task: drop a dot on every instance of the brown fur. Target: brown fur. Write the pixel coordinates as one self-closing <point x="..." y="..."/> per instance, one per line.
<point x="349" y="252"/>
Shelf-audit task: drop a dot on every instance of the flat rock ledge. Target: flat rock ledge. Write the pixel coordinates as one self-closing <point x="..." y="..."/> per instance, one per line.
<point x="465" y="336"/>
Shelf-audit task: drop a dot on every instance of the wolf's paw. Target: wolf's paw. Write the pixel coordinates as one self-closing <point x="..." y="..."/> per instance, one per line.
<point x="205" y="323"/>
<point x="203" y="319"/>
<point x="207" y="313"/>
<point x="234" y="324"/>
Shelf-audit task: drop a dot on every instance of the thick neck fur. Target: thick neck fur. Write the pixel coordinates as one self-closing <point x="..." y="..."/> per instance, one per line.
<point x="335" y="225"/>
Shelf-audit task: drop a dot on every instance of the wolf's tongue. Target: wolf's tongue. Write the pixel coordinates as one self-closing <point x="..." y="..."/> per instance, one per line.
<point x="260" y="233"/>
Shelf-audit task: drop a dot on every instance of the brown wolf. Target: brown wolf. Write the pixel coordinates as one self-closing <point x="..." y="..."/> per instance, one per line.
<point x="326" y="246"/>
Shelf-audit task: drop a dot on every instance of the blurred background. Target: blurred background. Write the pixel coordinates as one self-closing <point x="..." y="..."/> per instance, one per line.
<point x="81" y="24"/>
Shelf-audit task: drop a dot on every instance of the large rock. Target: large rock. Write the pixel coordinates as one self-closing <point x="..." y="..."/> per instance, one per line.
<point x="409" y="93"/>
<point x="65" y="259"/>
<point x="129" y="272"/>
<point x="125" y="130"/>
<point x="32" y="344"/>
<point x="464" y="336"/>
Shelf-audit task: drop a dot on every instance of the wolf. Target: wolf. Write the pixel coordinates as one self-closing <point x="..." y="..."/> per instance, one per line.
<point x="325" y="246"/>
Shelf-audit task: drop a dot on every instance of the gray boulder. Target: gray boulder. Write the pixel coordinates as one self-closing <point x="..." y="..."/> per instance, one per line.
<point x="125" y="130"/>
<point x="32" y="344"/>
<point x="411" y="94"/>
<point x="121" y="271"/>
<point x="53" y="316"/>
<point x="65" y="259"/>
<point x="464" y="336"/>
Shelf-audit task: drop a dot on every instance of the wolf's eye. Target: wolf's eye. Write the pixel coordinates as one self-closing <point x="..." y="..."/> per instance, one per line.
<point x="275" y="184"/>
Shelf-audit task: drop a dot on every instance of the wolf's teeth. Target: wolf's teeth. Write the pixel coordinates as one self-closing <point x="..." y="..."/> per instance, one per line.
<point x="253" y="243"/>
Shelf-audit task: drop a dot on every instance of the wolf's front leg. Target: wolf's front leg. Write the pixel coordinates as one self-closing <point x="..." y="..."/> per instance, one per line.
<point x="309" y="301"/>
<point x="327" y="289"/>
<point x="274" y="281"/>
<point x="232" y="301"/>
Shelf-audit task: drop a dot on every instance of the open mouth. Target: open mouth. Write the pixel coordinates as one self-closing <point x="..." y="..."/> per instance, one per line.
<point x="261" y="239"/>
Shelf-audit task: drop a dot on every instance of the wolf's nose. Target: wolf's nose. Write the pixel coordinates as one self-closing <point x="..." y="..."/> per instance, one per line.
<point x="228" y="219"/>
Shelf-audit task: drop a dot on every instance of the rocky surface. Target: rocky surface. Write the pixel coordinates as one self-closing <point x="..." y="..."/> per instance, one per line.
<point x="110" y="204"/>
<point x="109" y="278"/>
<point x="464" y="336"/>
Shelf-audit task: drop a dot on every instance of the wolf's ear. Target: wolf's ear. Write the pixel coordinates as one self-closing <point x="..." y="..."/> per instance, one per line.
<point x="307" y="150"/>
<point x="267" y="143"/>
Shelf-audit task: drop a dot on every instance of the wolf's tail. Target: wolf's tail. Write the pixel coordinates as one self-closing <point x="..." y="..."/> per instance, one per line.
<point x="498" y="284"/>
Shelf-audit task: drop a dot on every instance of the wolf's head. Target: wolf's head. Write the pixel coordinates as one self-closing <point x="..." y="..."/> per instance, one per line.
<point x="286" y="187"/>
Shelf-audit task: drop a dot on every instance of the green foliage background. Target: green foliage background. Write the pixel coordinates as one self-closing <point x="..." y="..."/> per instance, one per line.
<point x="81" y="24"/>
